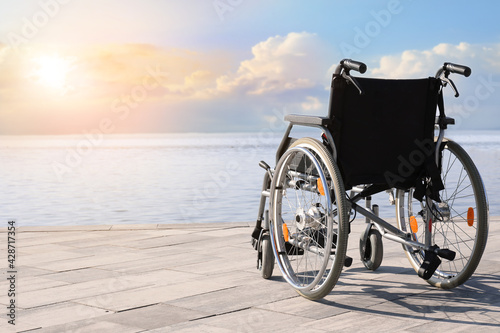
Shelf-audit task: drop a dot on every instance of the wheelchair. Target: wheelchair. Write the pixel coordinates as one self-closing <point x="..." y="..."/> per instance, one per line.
<point x="379" y="135"/>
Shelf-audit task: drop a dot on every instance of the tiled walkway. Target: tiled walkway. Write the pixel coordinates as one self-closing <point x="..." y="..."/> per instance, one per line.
<point x="202" y="278"/>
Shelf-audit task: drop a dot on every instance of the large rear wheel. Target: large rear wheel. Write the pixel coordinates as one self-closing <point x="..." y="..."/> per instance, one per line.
<point x="309" y="223"/>
<point x="460" y="221"/>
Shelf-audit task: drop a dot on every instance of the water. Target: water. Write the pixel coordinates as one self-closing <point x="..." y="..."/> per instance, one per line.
<point x="161" y="178"/>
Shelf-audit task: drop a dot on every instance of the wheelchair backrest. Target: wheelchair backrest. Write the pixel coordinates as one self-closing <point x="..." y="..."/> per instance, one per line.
<point x="386" y="135"/>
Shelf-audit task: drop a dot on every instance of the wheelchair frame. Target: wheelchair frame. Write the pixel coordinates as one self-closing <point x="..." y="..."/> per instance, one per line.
<point x="385" y="229"/>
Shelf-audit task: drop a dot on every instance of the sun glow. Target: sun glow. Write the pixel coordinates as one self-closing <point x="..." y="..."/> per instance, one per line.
<point x="51" y="71"/>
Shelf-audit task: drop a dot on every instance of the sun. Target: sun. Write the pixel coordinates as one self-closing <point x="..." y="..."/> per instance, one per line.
<point x="51" y="71"/>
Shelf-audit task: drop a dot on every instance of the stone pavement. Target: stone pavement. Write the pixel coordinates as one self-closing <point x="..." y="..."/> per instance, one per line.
<point x="202" y="278"/>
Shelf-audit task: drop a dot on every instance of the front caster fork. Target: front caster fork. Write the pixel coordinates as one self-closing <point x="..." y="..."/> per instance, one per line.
<point x="370" y="242"/>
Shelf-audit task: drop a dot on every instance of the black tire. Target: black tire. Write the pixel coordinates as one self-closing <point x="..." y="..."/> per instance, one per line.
<point x="464" y="192"/>
<point x="315" y="219"/>
<point x="374" y="253"/>
<point x="267" y="257"/>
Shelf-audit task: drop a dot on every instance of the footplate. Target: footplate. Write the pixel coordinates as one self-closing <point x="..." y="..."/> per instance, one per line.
<point x="432" y="261"/>
<point x="430" y="264"/>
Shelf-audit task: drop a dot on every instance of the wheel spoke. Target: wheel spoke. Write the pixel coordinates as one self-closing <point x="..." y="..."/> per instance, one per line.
<point x="463" y="190"/>
<point x="307" y="261"/>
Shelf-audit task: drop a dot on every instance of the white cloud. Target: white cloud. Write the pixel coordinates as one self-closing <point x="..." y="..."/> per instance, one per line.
<point x="311" y="103"/>
<point x="291" y="62"/>
<point x="422" y="63"/>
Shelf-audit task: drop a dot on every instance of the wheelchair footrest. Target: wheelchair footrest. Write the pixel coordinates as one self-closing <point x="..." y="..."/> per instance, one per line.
<point x="430" y="264"/>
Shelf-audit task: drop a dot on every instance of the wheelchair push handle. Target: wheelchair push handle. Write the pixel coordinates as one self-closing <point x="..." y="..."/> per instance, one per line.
<point x="449" y="67"/>
<point x="458" y="69"/>
<point x="343" y="69"/>
<point x="349" y="64"/>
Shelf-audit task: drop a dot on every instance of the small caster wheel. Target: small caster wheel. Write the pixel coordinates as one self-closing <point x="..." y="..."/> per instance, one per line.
<point x="267" y="257"/>
<point x="372" y="251"/>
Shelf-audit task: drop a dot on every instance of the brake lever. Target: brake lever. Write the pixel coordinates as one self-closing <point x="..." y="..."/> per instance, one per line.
<point x="349" y="78"/>
<point x="444" y="77"/>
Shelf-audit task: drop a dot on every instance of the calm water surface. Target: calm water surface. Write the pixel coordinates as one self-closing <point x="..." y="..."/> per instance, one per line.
<point x="161" y="178"/>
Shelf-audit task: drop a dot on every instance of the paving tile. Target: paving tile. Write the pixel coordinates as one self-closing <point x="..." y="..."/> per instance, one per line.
<point x="64" y="228"/>
<point x="45" y="257"/>
<point x="27" y="271"/>
<point x="235" y="299"/>
<point x="478" y="322"/>
<point x="229" y="232"/>
<point x="83" y="275"/>
<point x="89" y="261"/>
<point x="56" y="237"/>
<point x="425" y="306"/>
<point x="134" y="227"/>
<point x="100" y="250"/>
<point x="205" y="277"/>
<point x="43" y="248"/>
<point x="299" y="306"/>
<point x="256" y="320"/>
<point x="216" y="266"/>
<point x="30" y="283"/>
<point x="205" y="226"/>
<point x="151" y="264"/>
<point x="173" y="232"/>
<point x="119" y="238"/>
<point x="89" y="325"/>
<point x="167" y="241"/>
<point x="154" y="316"/>
<point x="54" y="315"/>
<point x="163" y="277"/>
<point x="361" y="322"/>
<point x="70" y="292"/>
<point x="234" y="278"/>
<point x="190" y="327"/>
<point x="489" y="265"/>
<point x="168" y="250"/>
<point x="129" y="299"/>
<point x="230" y="252"/>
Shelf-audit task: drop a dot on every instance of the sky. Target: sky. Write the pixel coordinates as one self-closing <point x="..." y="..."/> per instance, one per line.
<point x="123" y="66"/>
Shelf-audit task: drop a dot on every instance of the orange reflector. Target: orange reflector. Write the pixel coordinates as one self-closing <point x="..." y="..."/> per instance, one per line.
<point x="470" y="216"/>
<point x="320" y="186"/>
<point x="285" y="232"/>
<point x="413" y="224"/>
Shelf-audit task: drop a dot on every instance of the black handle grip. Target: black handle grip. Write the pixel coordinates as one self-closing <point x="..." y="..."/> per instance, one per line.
<point x="354" y="65"/>
<point x="459" y="69"/>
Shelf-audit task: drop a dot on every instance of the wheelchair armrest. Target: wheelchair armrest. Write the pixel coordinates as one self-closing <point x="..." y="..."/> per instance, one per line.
<point x="307" y="120"/>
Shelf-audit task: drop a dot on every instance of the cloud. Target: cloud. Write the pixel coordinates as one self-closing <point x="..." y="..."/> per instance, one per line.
<point x="311" y="103"/>
<point x="215" y="90"/>
<point x="422" y="63"/>
<point x="3" y="52"/>
<point x="281" y="63"/>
